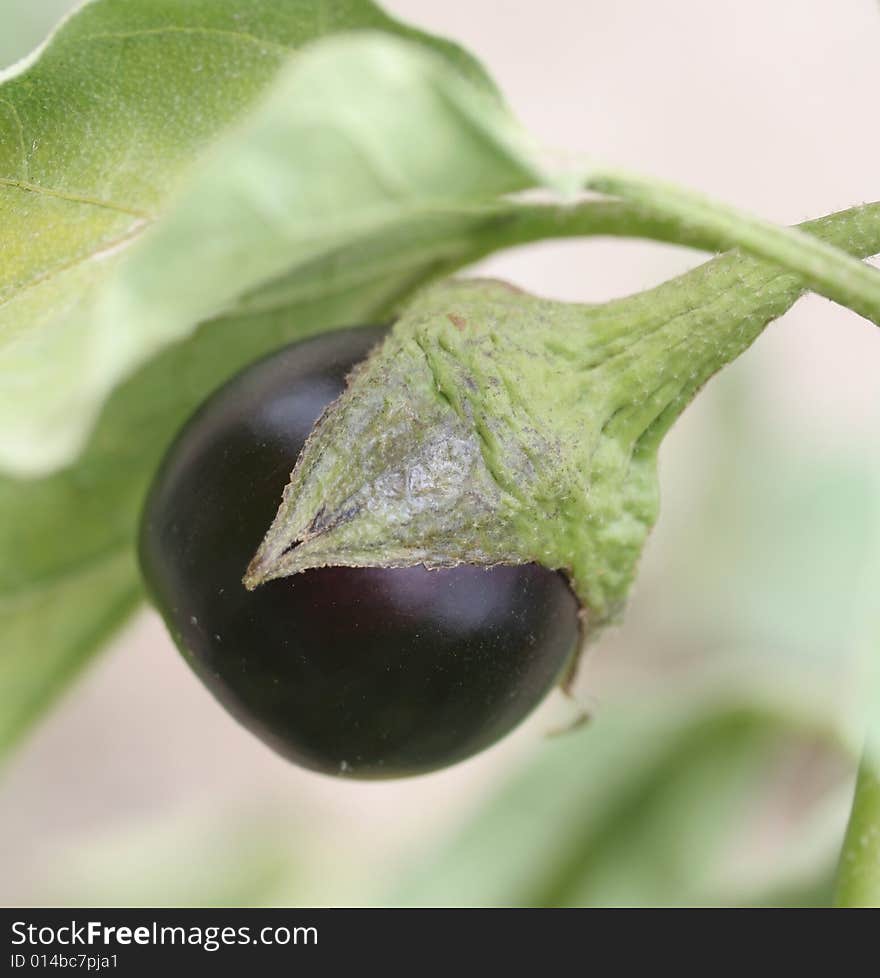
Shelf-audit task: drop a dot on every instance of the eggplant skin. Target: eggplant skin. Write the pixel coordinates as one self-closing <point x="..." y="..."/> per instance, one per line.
<point x="358" y="672"/>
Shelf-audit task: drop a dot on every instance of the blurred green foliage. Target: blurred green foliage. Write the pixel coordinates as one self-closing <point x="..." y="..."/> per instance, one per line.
<point x="647" y="808"/>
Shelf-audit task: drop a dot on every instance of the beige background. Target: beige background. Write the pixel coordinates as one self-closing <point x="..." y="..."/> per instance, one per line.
<point x="770" y="105"/>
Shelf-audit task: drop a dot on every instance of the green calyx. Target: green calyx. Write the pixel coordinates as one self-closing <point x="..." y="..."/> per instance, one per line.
<point x="496" y="427"/>
<point x="490" y="427"/>
<point x="475" y="434"/>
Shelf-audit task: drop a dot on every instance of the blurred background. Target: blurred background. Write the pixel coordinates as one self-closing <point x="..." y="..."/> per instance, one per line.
<point x="718" y="764"/>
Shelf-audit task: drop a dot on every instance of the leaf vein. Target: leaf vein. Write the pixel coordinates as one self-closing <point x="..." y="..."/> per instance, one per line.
<point x="37" y="188"/>
<point x="105" y="249"/>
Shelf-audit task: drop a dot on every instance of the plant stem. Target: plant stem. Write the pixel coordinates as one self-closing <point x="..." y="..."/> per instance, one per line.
<point x="597" y="218"/>
<point x="822" y="267"/>
<point x="855" y="230"/>
<point x="858" y="876"/>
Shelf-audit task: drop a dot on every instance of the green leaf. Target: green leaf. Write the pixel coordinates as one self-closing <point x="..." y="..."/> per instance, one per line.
<point x="649" y="805"/>
<point x="102" y="209"/>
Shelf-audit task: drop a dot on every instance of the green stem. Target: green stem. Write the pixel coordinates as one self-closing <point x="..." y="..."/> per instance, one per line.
<point x="858" y="878"/>
<point x="855" y="230"/>
<point x="597" y="218"/>
<point x="822" y="267"/>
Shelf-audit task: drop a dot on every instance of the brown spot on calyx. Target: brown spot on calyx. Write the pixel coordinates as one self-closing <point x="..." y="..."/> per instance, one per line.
<point x="459" y="322"/>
